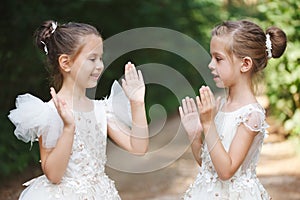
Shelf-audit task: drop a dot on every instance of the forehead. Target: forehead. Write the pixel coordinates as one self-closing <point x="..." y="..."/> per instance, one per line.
<point x="220" y="44"/>
<point x="92" y="44"/>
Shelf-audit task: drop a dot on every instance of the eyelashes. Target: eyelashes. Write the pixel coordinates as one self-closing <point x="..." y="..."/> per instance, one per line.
<point x="94" y="59"/>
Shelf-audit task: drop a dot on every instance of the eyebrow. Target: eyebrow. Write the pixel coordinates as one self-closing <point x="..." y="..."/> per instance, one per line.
<point x="216" y="54"/>
<point x="94" y="54"/>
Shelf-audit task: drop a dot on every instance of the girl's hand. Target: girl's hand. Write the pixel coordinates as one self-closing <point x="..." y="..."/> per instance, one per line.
<point x="133" y="84"/>
<point x="190" y="118"/>
<point x="207" y="106"/>
<point x="62" y="109"/>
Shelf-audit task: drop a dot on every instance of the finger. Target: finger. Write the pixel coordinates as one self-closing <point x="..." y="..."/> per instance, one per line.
<point x="202" y="96"/>
<point x="193" y="105"/>
<point x="127" y="72"/>
<point x="184" y="106"/>
<point x="206" y="96"/>
<point x="130" y="71"/>
<point x="199" y="104"/>
<point x="141" y="78"/>
<point x="211" y="95"/>
<point x="188" y="104"/>
<point x="181" y="112"/>
<point x="133" y="72"/>
<point x="124" y="84"/>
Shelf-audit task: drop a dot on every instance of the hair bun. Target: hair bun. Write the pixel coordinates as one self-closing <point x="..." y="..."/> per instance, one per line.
<point x="278" y="40"/>
<point x="43" y="33"/>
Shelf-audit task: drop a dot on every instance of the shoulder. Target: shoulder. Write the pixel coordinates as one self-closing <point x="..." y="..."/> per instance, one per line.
<point x="253" y="117"/>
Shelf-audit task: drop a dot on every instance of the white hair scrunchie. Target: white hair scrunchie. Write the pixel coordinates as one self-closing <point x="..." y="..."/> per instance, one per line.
<point x="269" y="46"/>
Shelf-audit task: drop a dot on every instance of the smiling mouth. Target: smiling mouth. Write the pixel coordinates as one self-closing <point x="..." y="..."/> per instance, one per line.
<point x="95" y="76"/>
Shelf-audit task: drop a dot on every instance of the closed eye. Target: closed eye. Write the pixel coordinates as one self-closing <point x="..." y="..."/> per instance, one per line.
<point x="92" y="59"/>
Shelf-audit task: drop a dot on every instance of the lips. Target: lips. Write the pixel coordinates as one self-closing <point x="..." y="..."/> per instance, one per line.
<point x="95" y="76"/>
<point x="215" y="76"/>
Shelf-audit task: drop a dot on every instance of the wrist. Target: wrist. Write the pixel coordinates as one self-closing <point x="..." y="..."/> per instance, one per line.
<point x="69" y="128"/>
<point x="206" y="127"/>
<point x="137" y="103"/>
<point x="195" y="137"/>
<point x="196" y="141"/>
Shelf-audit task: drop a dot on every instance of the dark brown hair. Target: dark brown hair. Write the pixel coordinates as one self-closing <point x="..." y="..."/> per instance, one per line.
<point x="248" y="39"/>
<point x="66" y="39"/>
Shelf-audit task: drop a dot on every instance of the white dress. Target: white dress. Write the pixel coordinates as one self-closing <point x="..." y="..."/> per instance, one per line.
<point x="85" y="176"/>
<point x="244" y="184"/>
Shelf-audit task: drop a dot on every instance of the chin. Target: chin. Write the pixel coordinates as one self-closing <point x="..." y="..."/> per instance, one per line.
<point x="220" y="85"/>
<point x="92" y="85"/>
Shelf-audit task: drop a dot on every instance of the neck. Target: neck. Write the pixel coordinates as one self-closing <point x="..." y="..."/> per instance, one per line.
<point x="241" y="94"/>
<point x="75" y="97"/>
<point x="72" y="91"/>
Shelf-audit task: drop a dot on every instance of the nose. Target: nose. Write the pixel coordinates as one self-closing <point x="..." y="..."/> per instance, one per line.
<point x="99" y="65"/>
<point x="211" y="65"/>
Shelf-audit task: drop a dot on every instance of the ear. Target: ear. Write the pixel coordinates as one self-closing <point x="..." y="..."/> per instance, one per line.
<point x="247" y="64"/>
<point x="64" y="62"/>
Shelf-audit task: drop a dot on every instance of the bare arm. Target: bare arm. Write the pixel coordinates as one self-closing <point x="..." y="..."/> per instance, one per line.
<point x="55" y="161"/>
<point x="225" y="163"/>
<point x="136" y="139"/>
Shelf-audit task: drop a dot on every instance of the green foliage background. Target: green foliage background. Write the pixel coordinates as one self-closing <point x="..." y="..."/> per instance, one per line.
<point x="22" y="65"/>
<point x="283" y="75"/>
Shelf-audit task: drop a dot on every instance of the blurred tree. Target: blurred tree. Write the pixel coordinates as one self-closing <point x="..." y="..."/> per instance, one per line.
<point x="283" y="75"/>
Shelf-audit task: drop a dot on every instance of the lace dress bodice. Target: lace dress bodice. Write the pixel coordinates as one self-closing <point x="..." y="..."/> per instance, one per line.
<point x="89" y="147"/>
<point x="244" y="184"/>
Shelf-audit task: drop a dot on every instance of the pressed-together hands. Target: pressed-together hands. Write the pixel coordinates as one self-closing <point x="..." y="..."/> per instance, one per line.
<point x="133" y="84"/>
<point x="194" y="120"/>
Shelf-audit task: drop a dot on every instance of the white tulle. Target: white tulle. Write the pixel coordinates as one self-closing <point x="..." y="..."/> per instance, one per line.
<point x="34" y="118"/>
<point x="118" y="105"/>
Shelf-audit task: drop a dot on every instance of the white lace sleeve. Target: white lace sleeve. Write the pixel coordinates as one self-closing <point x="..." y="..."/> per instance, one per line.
<point x="34" y="118"/>
<point x="118" y="105"/>
<point x="254" y="118"/>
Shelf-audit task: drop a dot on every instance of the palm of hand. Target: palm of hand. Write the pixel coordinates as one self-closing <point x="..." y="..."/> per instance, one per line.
<point x="135" y="90"/>
<point x="207" y="105"/>
<point x="192" y="125"/>
<point x="65" y="113"/>
<point x="62" y="108"/>
<point x="133" y="84"/>
<point x="190" y="118"/>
